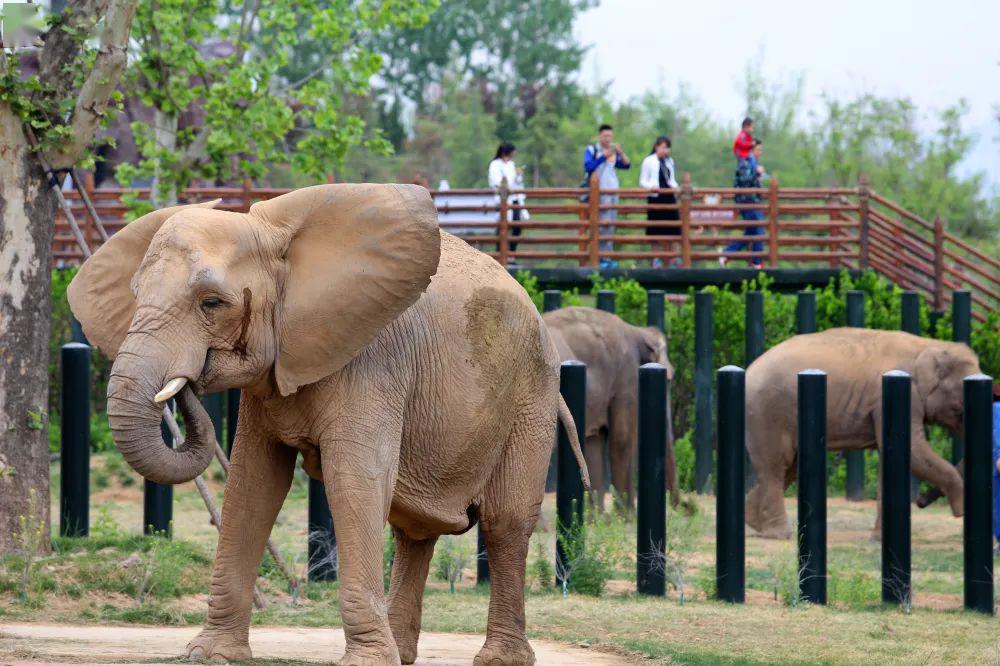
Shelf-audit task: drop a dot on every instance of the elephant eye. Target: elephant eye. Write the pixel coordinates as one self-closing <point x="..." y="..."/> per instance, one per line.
<point x="210" y="303"/>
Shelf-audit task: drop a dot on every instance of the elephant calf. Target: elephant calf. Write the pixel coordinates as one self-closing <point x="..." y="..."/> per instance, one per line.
<point x="412" y="373"/>
<point x="613" y="351"/>
<point x="854" y="360"/>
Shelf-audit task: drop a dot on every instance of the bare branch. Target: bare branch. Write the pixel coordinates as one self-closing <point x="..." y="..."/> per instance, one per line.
<point x="100" y="84"/>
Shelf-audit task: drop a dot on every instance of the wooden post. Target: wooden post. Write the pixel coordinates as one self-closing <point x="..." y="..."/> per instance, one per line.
<point x="247" y="192"/>
<point x="772" y="223"/>
<point x="938" y="263"/>
<point x="503" y="242"/>
<point x="863" y="219"/>
<point x="686" y="220"/>
<point x="594" y="218"/>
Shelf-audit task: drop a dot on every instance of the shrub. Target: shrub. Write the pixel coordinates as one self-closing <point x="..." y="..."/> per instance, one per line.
<point x="540" y="573"/>
<point x="594" y="549"/>
<point x="451" y="556"/>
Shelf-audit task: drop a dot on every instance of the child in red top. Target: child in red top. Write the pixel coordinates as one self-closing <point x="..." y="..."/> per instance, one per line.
<point x="744" y="140"/>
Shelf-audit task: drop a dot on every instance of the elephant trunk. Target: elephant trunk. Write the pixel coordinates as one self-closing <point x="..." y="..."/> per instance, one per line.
<point x="135" y="424"/>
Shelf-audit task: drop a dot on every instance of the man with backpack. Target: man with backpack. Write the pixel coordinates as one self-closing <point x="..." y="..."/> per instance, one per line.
<point x="604" y="158"/>
<point x="748" y="173"/>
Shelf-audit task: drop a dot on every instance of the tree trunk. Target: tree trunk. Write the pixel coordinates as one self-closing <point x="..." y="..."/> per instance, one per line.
<point x="27" y="210"/>
<point x="163" y="192"/>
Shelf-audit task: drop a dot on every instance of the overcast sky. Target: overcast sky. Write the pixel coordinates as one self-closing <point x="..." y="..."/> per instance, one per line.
<point x="931" y="52"/>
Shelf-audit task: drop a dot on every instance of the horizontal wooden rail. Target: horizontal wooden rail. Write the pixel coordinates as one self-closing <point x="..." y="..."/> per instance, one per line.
<point x="835" y="226"/>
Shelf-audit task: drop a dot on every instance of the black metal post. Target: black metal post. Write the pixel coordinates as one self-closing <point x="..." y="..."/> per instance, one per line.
<point x="753" y="347"/>
<point x="730" y="574"/>
<point x="482" y="564"/>
<point x="805" y="312"/>
<point x="896" y="586"/>
<point x="76" y="331"/>
<point x="651" y="528"/>
<point x="215" y="406"/>
<point x="74" y="463"/>
<point x="322" y="540"/>
<point x="961" y="331"/>
<point x="158" y="499"/>
<point x="703" y="424"/>
<point x="978" y="517"/>
<point x="854" y="483"/>
<point x="753" y="321"/>
<point x="909" y="322"/>
<point x="569" y="493"/>
<point x="232" y="418"/>
<point x="909" y="312"/>
<point x="812" y="485"/>
<point x="551" y="300"/>
<point x="606" y="300"/>
<point x="655" y="312"/>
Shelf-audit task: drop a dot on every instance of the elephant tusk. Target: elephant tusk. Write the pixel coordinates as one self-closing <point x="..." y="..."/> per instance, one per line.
<point x="170" y="390"/>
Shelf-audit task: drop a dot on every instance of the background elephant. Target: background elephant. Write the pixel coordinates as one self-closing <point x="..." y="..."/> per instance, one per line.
<point x="854" y="360"/>
<point x="410" y="370"/>
<point x="613" y="351"/>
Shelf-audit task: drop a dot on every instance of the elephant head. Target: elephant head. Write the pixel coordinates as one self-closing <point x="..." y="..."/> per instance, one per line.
<point x="938" y="374"/>
<point x="191" y="299"/>
<point x="937" y="377"/>
<point x="652" y="345"/>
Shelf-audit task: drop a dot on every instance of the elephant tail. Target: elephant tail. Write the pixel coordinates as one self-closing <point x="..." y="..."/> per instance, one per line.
<point x="569" y="425"/>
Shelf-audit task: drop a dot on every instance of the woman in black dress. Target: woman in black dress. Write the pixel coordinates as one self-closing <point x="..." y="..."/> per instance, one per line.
<point x="658" y="173"/>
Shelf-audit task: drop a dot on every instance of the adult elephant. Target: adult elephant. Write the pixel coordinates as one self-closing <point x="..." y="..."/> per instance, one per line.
<point x="411" y="372"/>
<point x="854" y="360"/>
<point x="613" y="351"/>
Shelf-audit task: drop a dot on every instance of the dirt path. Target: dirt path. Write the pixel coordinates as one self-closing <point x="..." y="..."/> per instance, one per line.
<point x="33" y="643"/>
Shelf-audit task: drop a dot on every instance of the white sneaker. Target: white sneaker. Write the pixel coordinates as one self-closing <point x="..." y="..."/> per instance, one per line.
<point x="723" y="260"/>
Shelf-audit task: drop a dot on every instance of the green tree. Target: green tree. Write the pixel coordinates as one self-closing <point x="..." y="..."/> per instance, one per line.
<point x="229" y="65"/>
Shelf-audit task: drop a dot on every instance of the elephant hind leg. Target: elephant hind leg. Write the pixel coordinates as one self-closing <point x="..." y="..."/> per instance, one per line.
<point x="622" y="451"/>
<point x="406" y="591"/>
<point x="511" y="503"/>
<point x="765" y="504"/>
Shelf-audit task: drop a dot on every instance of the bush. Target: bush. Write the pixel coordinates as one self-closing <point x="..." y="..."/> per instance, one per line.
<point x="540" y="574"/>
<point x="594" y="550"/>
<point x="451" y="556"/>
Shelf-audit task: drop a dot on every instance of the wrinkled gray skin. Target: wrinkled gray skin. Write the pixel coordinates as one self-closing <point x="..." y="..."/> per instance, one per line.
<point x="613" y="351"/>
<point x="411" y="372"/>
<point x="854" y="360"/>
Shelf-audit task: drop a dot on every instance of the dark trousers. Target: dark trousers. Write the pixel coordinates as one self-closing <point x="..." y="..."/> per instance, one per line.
<point x="755" y="246"/>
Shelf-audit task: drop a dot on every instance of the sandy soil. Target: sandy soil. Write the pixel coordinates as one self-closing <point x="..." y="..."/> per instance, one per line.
<point x="34" y="643"/>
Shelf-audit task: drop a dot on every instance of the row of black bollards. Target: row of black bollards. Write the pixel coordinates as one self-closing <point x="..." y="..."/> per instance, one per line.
<point x="812" y="453"/>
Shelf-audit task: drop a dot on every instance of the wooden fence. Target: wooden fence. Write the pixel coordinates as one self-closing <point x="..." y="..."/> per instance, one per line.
<point x="801" y="227"/>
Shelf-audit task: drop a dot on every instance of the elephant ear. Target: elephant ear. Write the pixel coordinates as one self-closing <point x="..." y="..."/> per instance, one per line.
<point x="357" y="256"/>
<point x="100" y="294"/>
<point x="653" y="349"/>
<point x="930" y="369"/>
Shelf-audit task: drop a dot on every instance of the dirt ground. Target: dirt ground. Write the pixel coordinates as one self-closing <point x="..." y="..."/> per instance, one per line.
<point x="34" y="643"/>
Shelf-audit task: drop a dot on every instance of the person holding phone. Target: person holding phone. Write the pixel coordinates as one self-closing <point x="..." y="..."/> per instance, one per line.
<point x="604" y="158"/>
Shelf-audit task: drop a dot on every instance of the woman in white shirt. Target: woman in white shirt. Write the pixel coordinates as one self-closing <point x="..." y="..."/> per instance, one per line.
<point x="503" y="167"/>
<point x="658" y="173"/>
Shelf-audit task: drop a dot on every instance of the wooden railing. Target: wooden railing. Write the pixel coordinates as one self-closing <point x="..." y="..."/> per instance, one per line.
<point x="802" y="227"/>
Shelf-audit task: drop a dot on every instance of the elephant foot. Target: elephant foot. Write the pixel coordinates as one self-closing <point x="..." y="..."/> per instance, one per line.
<point x="361" y="657"/>
<point x="496" y="654"/>
<point x="407" y="651"/>
<point x="212" y="646"/>
<point x="776" y="532"/>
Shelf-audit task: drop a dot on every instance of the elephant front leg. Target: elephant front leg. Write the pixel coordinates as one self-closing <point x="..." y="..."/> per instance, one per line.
<point x="406" y="591"/>
<point x="359" y="489"/>
<point x="929" y="466"/>
<point x="259" y="478"/>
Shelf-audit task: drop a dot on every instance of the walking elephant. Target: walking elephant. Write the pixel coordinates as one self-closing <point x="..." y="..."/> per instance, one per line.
<point x="411" y="372"/>
<point x="613" y="351"/>
<point x="854" y="360"/>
